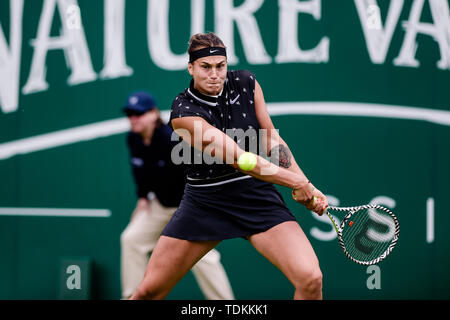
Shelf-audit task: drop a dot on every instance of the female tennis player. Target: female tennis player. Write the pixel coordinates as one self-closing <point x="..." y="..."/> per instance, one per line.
<point x="220" y="200"/>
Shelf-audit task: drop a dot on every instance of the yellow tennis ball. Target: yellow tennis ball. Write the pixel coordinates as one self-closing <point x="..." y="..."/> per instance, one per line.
<point x="247" y="161"/>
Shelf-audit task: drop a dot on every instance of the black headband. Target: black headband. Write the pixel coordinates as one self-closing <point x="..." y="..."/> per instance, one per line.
<point x="206" y="52"/>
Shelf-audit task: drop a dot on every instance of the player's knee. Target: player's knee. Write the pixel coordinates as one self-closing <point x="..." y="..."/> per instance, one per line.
<point x="312" y="286"/>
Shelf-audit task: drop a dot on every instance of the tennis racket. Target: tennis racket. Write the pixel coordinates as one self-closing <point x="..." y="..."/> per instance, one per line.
<point x="367" y="233"/>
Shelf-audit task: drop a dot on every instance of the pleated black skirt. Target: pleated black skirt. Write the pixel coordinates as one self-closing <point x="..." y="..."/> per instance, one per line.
<point x="231" y="210"/>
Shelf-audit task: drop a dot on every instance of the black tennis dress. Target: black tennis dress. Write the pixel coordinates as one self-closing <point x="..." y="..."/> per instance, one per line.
<point x="219" y="201"/>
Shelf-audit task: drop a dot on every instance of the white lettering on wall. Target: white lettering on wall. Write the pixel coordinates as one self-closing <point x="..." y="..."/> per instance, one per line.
<point x="378" y="38"/>
<point x="158" y="33"/>
<point x="10" y="59"/>
<point x="115" y="65"/>
<point x="72" y="41"/>
<point x="331" y="233"/>
<point x="334" y="201"/>
<point x="225" y="16"/>
<point x="288" y="47"/>
<point x="430" y="220"/>
<point x="439" y="30"/>
<point x="384" y="201"/>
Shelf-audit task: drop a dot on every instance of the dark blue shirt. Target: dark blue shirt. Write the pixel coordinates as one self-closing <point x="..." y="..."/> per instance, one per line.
<point x="232" y="110"/>
<point x="153" y="169"/>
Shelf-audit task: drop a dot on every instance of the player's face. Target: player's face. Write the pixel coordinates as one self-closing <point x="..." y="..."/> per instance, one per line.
<point x="209" y="74"/>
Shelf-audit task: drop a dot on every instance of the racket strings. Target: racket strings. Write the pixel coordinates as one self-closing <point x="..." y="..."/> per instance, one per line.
<point x="368" y="234"/>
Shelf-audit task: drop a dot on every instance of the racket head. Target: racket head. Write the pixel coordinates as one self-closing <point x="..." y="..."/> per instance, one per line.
<point x="367" y="234"/>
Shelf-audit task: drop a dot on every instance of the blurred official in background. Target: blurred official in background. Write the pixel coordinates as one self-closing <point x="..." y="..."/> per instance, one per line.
<point x="159" y="188"/>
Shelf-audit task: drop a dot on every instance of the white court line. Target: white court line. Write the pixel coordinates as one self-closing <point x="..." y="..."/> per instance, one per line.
<point x="121" y="125"/>
<point x="56" y="212"/>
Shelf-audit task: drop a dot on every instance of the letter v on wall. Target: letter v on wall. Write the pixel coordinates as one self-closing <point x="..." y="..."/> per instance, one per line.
<point x="378" y="37"/>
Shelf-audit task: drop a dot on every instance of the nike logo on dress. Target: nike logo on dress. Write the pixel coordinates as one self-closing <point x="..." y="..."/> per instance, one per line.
<point x="235" y="99"/>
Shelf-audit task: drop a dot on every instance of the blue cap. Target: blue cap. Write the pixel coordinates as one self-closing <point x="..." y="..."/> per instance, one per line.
<point x="139" y="102"/>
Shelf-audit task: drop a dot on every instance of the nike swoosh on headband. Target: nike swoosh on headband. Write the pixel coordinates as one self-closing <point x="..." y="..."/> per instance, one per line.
<point x="205" y="52"/>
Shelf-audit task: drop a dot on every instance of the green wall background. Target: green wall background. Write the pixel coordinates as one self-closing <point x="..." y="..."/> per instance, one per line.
<point x="352" y="158"/>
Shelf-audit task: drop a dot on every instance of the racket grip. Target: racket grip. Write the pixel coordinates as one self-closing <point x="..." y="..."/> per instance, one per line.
<point x="314" y="203"/>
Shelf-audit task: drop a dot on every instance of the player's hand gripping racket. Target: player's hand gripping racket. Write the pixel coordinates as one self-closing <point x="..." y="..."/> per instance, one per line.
<point x="367" y="233"/>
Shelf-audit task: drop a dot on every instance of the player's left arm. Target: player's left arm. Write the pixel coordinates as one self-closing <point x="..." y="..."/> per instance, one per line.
<point x="276" y="148"/>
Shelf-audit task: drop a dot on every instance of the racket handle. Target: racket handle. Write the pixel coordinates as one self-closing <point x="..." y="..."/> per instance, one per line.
<point x="314" y="203"/>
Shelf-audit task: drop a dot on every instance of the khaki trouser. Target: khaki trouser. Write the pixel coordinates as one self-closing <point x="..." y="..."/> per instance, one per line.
<point x="139" y="239"/>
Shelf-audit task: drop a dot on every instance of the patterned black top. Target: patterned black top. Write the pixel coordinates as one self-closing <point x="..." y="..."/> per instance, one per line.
<point x="233" y="112"/>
